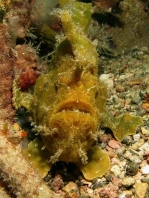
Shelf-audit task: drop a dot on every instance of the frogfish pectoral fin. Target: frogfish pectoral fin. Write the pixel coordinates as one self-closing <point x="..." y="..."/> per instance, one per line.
<point x="98" y="163"/>
<point x="38" y="157"/>
<point x="123" y="125"/>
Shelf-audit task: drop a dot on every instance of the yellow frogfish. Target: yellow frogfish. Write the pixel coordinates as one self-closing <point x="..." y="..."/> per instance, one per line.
<point x="68" y="104"/>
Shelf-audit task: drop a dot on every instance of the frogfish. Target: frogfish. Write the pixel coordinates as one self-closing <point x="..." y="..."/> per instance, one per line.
<point x="68" y="104"/>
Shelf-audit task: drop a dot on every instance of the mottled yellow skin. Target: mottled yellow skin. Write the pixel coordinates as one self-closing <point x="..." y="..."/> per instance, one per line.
<point x="67" y="109"/>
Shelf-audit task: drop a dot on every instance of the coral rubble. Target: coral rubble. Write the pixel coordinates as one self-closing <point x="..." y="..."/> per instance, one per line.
<point x="7" y="59"/>
<point x="18" y="173"/>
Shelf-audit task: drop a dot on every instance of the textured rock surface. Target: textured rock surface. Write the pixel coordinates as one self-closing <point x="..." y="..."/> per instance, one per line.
<point x="6" y="76"/>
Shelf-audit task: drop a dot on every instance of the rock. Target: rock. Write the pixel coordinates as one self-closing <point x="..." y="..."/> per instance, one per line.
<point x="128" y="181"/>
<point x="140" y="189"/>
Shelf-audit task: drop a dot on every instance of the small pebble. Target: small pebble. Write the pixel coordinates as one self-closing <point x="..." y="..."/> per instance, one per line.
<point x="132" y="168"/>
<point x="107" y="79"/>
<point x="109" y="177"/>
<point x="136" y="137"/>
<point x="128" y="154"/>
<point x="114" y="144"/>
<point x="145" y="148"/>
<point x="98" y="183"/>
<point x="145" y="169"/>
<point x="120" y="152"/>
<point x="88" y="183"/>
<point x="145" y="131"/>
<point x="116" y="170"/>
<point x="145" y="105"/>
<point x="119" y="88"/>
<point x="128" y="181"/>
<point x="70" y="188"/>
<point x="140" y="189"/>
<point x="128" y="101"/>
<point x="145" y="180"/>
<point x="57" y="183"/>
<point x="138" y="144"/>
<point x="127" y="140"/>
<point x="144" y="49"/>
<point x="90" y="191"/>
<point x="126" y="194"/>
<point x="135" y="96"/>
